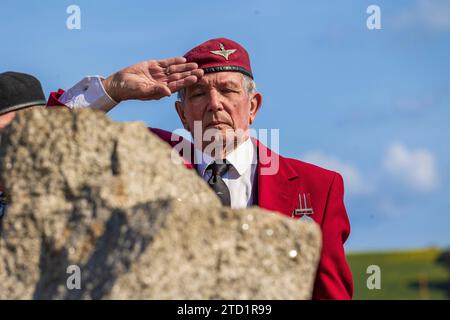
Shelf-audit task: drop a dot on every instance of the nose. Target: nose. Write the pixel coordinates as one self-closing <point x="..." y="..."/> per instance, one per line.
<point x="214" y="103"/>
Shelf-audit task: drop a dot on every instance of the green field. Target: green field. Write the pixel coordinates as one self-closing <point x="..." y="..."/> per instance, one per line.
<point x="404" y="275"/>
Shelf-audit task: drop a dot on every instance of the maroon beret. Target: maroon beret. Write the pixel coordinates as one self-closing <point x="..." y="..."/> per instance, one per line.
<point x="221" y="54"/>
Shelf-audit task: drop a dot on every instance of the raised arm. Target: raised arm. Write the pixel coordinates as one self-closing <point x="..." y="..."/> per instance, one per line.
<point x="146" y="80"/>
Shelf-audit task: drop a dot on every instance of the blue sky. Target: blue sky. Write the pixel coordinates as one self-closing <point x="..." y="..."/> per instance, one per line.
<point x="372" y="104"/>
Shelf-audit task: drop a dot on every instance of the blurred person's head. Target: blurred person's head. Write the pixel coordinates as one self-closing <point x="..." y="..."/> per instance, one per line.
<point x="19" y="92"/>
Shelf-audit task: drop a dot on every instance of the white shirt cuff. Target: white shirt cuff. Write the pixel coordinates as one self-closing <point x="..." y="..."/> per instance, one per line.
<point x="88" y="93"/>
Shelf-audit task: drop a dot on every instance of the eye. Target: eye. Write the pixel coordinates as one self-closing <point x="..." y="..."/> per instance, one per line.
<point x="197" y="94"/>
<point x="229" y="90"/>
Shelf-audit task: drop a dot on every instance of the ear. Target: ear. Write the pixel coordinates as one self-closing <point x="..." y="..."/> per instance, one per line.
<point x="180" y="110"/>
<point x="6" y="119"/>
<point x="255" y="104"/>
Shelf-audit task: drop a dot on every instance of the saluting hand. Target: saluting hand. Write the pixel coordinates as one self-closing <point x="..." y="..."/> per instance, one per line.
<point x="152" y="79"/>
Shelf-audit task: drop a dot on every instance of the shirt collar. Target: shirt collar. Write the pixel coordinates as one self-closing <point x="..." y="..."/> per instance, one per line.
<point x="240" y="158"/>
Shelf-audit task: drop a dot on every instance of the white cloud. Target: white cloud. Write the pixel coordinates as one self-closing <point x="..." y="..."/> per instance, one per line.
<point x="354" y="182"/>
<point x="415" y="168"/>
<point x="432" y="15"/>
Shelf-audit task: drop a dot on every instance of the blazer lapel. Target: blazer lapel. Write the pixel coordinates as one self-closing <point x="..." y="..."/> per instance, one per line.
<point x="278" y="182"/>
<point x="188" y="159"/>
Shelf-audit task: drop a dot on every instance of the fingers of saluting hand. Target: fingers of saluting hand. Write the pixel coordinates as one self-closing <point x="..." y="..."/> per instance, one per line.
<point x="181" y="75"/>
<point x="174" y="86"/>
<point x="177" y="68"/>
<point x="175" y="73"/>
<point x="164" y="91"/>
<point x="155" y="92"/>
<point x="168" y="62"/>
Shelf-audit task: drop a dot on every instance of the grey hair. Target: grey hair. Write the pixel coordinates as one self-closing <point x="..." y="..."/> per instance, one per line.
<point x="248" y="83"/>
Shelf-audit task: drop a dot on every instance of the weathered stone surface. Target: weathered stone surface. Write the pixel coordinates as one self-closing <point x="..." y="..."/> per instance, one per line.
<point x="105" y="196"/>
<point x="225" y="254"/>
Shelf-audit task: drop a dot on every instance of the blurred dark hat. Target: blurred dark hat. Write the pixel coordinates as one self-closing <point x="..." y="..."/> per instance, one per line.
<point x="18" y="91"/>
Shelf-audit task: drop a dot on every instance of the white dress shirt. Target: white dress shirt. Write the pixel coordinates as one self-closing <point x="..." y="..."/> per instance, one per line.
<point x="240" y="178"/>
<point x="88" y="93"/>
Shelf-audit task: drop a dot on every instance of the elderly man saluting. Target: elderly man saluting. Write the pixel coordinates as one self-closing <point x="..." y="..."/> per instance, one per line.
<point x="216" y="91"/>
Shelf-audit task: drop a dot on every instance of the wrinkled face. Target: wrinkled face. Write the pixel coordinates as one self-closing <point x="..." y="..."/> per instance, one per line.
<point x="5" y="119"/>
<point x="219" y="101"/>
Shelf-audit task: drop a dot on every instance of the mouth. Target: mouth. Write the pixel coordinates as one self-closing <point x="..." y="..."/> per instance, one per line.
<point x="217" y="124"/>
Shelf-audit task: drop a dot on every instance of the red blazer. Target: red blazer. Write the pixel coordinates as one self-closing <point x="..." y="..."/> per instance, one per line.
<point x="280" y="192"/>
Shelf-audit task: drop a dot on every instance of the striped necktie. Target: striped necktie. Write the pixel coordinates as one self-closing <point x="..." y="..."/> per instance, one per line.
<point x="216" y="182"/>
